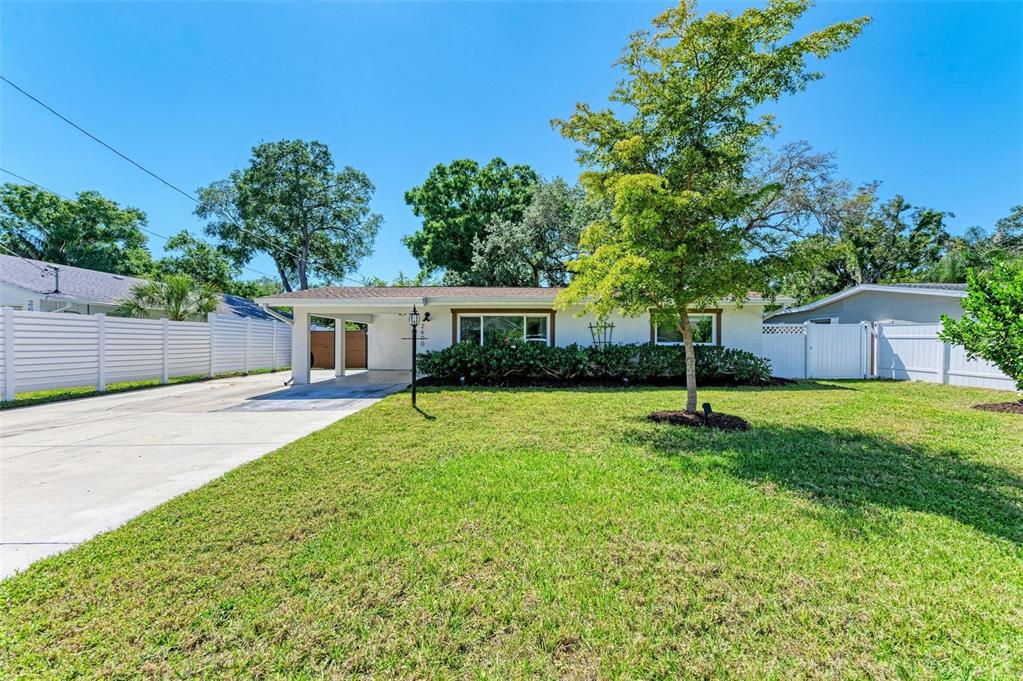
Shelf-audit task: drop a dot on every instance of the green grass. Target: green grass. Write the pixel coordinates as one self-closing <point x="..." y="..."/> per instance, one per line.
<point x="27" y="399"/>
<point x="859" y="530"/>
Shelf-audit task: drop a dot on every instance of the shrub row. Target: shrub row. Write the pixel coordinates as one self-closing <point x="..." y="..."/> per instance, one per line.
<point x="638" y="363"/>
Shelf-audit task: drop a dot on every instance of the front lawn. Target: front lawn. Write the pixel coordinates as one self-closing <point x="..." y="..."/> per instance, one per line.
<point x="860" y="529"/>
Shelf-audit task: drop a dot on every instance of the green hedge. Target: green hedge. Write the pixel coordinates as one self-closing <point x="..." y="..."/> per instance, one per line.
<point x="638" y="363"/>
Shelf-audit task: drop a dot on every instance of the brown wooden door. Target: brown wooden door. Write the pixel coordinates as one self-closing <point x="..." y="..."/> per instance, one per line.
<point x="322" y="347"/>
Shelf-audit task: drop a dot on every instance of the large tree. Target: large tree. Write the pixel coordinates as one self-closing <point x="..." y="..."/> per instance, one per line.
<point x="457" y="203"/>
<point x="674" y="158"/>
<point x="90" y="231"/>
<point x="292" y="204"/>
<point x="867" y="241"/>
<point x="199" y="259"/>
<point x="534" y="250"/>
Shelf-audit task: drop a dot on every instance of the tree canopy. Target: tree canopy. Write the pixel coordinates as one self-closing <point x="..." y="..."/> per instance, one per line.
<point x="674" y="158"/>
<point x="90" y="231"/>
<point x="534" y="250"/>
<point x="457" y="203"/>
<point x="292" y="204"/>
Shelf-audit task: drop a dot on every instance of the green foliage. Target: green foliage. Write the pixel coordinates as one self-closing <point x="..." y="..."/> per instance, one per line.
<point x="865" y="241"/>
<point x="534" y="250"/>
<point x="90" y="231"/>
<point x="497" y="364"/>
<point x="177" y="297"/>
<point x="292" y="204"/>
<point x="457" y="203"/>
<point x="992" y="326"/>
<point x="202" y="261"/>
<point x="675" y="160"/>
<point x="264" y="286"/>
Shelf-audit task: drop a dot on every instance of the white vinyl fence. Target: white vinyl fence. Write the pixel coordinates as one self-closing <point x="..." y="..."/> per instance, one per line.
<point x="44" y="350"/>
<point x="899" y="351"/>
<point x="818" y="350"/>
<point x="914" y="352"/>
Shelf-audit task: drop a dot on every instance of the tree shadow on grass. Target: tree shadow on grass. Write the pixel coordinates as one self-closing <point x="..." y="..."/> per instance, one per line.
<point x="853" y="471"/>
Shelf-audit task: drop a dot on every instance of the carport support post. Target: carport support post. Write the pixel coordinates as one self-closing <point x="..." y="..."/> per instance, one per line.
<point x="339" y="347"/>
<point x="300" y="347"/>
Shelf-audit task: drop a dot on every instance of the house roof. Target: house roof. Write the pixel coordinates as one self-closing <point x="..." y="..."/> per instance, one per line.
<point x="382" y="295"/>
<point x="80" y="285"/>
<point x="948" y="290"/>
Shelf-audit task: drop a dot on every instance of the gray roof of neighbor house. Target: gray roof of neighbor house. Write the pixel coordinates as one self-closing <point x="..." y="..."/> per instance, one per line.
<point x="78" y="284"/>
<point x="954" y="290"/>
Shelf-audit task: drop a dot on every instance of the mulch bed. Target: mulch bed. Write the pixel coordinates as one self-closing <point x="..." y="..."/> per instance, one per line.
<point x="539" y="382"/>
<point x="1003" y="407"/>
<point x="700" y="420"/>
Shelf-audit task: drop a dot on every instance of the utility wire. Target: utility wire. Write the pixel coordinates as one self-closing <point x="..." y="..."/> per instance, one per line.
<point x="45" y="270"/>
<point x="147" y="231"/>
<point x="154" y="175"/>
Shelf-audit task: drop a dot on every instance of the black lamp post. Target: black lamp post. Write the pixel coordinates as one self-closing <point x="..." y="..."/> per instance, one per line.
<point x="413" y="320"/>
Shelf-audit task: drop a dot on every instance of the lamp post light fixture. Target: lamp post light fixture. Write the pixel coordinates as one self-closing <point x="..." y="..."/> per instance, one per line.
<point x="413" y="320"/>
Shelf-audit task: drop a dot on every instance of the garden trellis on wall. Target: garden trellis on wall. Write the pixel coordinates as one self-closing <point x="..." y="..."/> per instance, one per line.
<point x="44" y="350"/>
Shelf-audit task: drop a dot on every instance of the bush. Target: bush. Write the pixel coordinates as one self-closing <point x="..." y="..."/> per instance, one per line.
<point x="638" y="363"/>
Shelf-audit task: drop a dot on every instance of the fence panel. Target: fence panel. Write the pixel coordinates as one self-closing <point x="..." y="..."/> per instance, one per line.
<point x="785" y="346"/>
<point x="914" y="352"/>
<point x="188" y="349"/>
<point x="45" y="350"/>
<point x="134" y="349"/>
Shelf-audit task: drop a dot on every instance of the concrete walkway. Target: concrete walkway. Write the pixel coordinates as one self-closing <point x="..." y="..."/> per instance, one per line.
<point x="71" y="470"/>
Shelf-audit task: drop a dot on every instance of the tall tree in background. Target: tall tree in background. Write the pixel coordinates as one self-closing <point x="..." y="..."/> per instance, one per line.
<point x="291" y="204"/>
<point x="978" y="250"/>
<point x="457" y="203"/>
<point x="675" y="158"/>
<point x="534" y="250"/>
<point x="199" y="259"/>
<point x="90" y="231"/>
<point x="866" y="241"/>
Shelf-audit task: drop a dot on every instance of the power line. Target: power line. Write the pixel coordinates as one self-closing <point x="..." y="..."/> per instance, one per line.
<point x="155" y="176"/>
<point x="147" y="231"/>
<point x="44" y="270"/>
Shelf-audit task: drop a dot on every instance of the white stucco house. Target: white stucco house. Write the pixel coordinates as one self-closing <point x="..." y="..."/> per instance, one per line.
<point x="908" y="303"/>
<point x="480" y="314"/>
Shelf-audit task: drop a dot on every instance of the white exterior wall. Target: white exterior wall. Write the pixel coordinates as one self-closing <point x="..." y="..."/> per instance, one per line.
<point x="389" y="335"/>
<point x="879" y="306"/>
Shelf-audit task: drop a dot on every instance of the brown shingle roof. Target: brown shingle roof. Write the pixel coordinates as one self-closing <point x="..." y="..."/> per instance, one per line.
<point x="391" y="292"/>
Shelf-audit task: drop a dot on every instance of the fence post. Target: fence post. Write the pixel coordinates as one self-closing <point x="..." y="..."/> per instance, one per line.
<point x="806" y="349"/>
<point x="9" y="383"/>
<point x="864" y="349"/>
<point x="164" y="378"/>
<point x="248" y="341"/>
<point x="945" y="361"/>
<point x="213" y="337"/>
<point x="101" y="349"/>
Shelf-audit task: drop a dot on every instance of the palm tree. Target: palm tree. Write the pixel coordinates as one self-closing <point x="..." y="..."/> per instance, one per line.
<point x="177" y="297"/>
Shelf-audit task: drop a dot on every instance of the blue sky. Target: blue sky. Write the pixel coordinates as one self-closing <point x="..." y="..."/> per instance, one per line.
<point x="929" y="100"/>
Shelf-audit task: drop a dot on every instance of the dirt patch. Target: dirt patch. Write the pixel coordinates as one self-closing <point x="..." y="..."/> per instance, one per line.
<point x="700" y="420"/>
<point x="1003" y="407"/>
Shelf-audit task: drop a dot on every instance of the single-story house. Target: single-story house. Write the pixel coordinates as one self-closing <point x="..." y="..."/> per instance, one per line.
<point x="484" y="314"/>
<point x="39" y="286"/>
<point x="907" y="303"/>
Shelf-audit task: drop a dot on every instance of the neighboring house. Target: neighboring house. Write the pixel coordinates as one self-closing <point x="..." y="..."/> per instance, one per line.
<point x="915" y="303"/>
<point x="490" y="314"/>
<point x="33" y="285"/>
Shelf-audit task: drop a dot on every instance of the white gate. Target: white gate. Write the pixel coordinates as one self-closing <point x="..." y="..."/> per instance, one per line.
<point x="818" y="350"/>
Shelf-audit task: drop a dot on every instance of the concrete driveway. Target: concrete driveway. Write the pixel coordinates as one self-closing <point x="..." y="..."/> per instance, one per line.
<point x="71" y="470"/>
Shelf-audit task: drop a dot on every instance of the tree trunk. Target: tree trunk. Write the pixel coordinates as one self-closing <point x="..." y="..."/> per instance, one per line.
<point x="687" y="342"/>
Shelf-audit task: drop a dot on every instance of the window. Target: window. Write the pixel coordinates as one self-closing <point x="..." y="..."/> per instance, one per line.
<point x="704" y="331"/>
<point x="503" y="328"/>
<point x="823" y="320"/>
